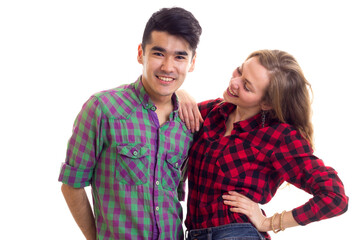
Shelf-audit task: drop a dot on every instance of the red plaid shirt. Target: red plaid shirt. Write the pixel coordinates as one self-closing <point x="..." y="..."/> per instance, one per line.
<point x="254" y="161"/>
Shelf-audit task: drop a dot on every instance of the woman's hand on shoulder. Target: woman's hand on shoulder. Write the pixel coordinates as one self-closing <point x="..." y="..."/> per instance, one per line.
<point x="189" y="111"/>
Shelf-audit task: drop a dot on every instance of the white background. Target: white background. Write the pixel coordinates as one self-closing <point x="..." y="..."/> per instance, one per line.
<point x="55" y="54"/>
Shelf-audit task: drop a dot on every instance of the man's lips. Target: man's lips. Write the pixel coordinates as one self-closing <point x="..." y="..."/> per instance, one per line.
<point x="165" y="79"/>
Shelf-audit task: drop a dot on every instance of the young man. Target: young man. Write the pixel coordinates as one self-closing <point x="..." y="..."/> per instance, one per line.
<point x="130" y="145"/>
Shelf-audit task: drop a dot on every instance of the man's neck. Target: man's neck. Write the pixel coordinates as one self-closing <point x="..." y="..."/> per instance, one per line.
<point x="163" y="110"/>
<point x="162" y="102"/>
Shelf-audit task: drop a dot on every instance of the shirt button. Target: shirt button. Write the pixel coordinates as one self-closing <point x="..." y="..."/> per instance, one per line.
<point x="153" y="108"/>
<point x="135" y="153"/>
<point x="157" y="208"/>
<point x="176" y="164"/>
<point x="157" y="183"/>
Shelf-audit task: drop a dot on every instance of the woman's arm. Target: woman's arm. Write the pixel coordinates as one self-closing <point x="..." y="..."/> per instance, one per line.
<point x="295" y="163"/>
<point x="189" y="111"/>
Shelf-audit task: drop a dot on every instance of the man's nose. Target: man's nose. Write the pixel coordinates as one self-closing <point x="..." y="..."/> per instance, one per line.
<point x="167" y="65"/>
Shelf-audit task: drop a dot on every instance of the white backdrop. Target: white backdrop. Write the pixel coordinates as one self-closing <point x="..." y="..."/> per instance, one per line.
<point x="55" y="54"/>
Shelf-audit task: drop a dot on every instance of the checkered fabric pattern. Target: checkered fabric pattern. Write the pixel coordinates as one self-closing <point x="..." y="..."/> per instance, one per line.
<point x="254" y="161"/>
<point x="133" y="165"/>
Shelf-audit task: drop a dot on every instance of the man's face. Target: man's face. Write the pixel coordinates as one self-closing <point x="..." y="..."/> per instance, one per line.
<point x="166" y="60"/>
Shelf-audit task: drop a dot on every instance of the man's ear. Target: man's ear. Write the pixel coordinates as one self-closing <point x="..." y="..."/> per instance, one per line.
<point x="192" y="64"/>
<point x="140" y="54"/>
<point x="265" y="106"/>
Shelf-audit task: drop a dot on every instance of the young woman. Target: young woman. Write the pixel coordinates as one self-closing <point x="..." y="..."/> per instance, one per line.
<point x="251" y="141"/>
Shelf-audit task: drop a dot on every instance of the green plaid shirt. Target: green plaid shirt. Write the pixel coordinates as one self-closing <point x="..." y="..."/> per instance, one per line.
<point x="133" y="165"/>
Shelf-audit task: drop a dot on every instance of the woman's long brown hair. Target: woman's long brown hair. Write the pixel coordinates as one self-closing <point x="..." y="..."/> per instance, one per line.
<point x="288" y="91"/>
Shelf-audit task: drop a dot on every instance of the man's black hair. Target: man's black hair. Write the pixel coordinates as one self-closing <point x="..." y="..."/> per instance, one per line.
<point x="175" y="21"/>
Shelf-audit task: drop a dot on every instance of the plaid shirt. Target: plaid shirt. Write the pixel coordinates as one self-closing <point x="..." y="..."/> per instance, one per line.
<point x="133" y="165"/>
<point x="254" y="161"/>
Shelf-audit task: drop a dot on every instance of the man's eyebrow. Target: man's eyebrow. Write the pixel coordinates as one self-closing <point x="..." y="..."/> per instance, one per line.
<point x="182" y="53"/>
<point x="160" y="49"/>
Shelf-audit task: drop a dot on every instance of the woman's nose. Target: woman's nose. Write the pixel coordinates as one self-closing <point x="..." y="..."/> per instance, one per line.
<point x="235" y="83"/>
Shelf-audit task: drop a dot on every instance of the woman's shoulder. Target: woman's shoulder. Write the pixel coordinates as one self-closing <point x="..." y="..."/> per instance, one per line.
<point x="289" y="136"/>
<point x="284" y="128"/>
<point x="210" y="103"/>
<point x="207" y="106"/>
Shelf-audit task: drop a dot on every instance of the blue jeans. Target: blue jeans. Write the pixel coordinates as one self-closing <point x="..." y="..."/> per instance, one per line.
<point x="234" y="231"/>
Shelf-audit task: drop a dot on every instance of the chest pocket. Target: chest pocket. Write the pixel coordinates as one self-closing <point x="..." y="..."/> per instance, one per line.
<point x="236" y="159"/>
<point x="172" y="170"/>
<point x="132" y="163"/>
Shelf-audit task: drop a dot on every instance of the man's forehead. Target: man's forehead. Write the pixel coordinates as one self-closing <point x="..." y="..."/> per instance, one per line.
<point x="167" y="41"/>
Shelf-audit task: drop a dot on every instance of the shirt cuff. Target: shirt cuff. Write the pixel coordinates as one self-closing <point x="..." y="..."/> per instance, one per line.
<point x="75" y="177"/>
<point x="304" y="215"/>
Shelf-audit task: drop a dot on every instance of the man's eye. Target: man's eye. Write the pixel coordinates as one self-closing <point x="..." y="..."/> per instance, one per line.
<point x="158" y="54"/>
<point x="180" y="57"/>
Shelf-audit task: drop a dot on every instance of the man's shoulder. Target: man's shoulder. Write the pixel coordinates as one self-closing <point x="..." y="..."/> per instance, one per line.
<point x="121" y="93"/>
<point x="118" y="100"/>
<point x="115" y="92"/>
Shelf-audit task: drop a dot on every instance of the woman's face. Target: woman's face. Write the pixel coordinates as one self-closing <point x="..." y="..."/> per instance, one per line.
<point x="247" y="86"/>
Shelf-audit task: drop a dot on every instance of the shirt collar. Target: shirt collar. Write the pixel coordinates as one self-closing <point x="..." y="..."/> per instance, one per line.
<point x="147" y="103"/>
<point x="142" y="94"/>
<point x="243" y="126"/>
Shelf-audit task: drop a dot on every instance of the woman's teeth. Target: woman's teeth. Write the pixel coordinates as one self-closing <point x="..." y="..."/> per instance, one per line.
<point x="232" y="93"/>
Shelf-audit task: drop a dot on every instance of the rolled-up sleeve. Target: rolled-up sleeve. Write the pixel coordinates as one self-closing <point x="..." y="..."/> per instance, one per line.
<point x="84" y="146"/>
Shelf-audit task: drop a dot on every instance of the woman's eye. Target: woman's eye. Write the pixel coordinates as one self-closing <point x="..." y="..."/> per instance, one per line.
<point x="246" y="88"/>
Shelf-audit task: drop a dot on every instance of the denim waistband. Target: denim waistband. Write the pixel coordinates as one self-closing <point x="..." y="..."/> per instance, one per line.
<point x="233" y="231"/>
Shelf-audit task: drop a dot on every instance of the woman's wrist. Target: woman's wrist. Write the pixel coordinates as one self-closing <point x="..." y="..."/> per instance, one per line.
<point x="266" y="225"/>
<point x="275" y="223"/>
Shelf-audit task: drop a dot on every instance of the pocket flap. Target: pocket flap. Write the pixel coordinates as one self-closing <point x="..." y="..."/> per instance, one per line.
<point x="132" y="150"/>
<point x="175" y="159"/>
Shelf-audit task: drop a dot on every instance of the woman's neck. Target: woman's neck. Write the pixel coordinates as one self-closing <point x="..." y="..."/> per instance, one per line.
<point x="241" y="115"/>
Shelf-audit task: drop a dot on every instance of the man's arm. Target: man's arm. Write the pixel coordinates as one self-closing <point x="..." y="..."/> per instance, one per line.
<point x="80" y="208"/>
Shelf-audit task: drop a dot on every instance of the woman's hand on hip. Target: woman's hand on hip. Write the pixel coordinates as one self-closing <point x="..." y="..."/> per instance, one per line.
<point x="242" y="204"/>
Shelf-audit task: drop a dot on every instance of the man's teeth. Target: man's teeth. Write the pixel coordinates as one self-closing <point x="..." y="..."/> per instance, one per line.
<point x="166" y="79"/>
